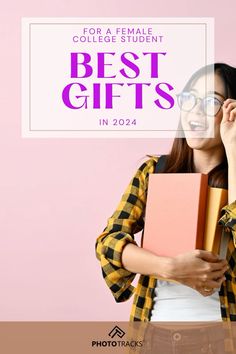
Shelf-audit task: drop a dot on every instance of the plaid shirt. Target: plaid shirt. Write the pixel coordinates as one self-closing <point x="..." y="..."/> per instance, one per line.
<point x="127" y="220"/>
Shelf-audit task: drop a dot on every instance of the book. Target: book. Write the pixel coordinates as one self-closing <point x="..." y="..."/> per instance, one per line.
<point x="175" y="213"/>
<point x="217" y="198"/>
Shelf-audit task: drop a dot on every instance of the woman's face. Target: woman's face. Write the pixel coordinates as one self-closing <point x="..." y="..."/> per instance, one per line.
<point x="196" y="120"/>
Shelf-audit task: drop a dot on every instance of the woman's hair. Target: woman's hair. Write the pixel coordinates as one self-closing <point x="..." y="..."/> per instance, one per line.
<point x="180" y="158"/>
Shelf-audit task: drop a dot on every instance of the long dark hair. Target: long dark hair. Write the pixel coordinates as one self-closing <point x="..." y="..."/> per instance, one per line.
<point x="180" y="158"/>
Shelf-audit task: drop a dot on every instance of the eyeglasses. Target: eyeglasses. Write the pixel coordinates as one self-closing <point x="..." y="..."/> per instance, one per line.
<point x="209" y="105"/>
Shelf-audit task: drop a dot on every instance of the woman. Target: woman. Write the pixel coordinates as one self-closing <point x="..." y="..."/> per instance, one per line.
<point x="199" y="273"/>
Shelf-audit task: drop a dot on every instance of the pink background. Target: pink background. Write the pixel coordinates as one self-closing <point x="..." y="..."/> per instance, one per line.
<point x="56" y="194"/>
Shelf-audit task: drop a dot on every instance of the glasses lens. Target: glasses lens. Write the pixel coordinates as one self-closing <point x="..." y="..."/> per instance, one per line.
<point x="186" y="101"/>
<point x="211" y="106"/>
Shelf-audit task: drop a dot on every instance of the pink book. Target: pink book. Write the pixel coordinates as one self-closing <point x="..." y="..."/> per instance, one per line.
<point x="175" y="213"/>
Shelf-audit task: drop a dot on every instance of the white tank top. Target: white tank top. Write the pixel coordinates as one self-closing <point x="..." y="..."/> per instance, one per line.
<point x="177" y="302"/>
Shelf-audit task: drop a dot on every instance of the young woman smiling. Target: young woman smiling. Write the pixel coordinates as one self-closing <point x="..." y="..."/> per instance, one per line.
<point x="205" y="288"/>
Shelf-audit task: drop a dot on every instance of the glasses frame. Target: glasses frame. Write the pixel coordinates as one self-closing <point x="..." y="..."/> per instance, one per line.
<point x="201" y="105"/>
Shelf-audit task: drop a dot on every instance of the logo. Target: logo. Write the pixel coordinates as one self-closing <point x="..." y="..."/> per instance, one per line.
<point x="116" y="331"/>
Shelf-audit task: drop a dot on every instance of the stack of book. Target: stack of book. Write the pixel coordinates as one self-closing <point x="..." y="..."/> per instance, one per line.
<point x="182" y="214"/>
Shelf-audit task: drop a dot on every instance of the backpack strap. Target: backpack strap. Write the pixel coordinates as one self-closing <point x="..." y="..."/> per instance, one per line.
<point x="160" y="165"/>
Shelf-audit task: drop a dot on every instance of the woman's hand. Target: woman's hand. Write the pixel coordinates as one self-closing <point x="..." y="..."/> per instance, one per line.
<point x="228" y="124"/>
<point x="200" y="270"/>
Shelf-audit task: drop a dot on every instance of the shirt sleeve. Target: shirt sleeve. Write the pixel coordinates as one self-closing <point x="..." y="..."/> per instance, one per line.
<point x="127" y="220"/>
<point x="228" y="220"/>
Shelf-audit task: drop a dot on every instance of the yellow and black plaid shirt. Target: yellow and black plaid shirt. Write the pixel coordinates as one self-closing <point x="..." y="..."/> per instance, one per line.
<point x="127" y="220"/>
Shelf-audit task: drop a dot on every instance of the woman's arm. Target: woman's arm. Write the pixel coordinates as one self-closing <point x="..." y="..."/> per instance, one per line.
<point x="127" y="220"/>
<point x="198" y="269"/>
<point x="231" y="156"/>
<point x="228" y="136"/>
<point x="138" y="260"/>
